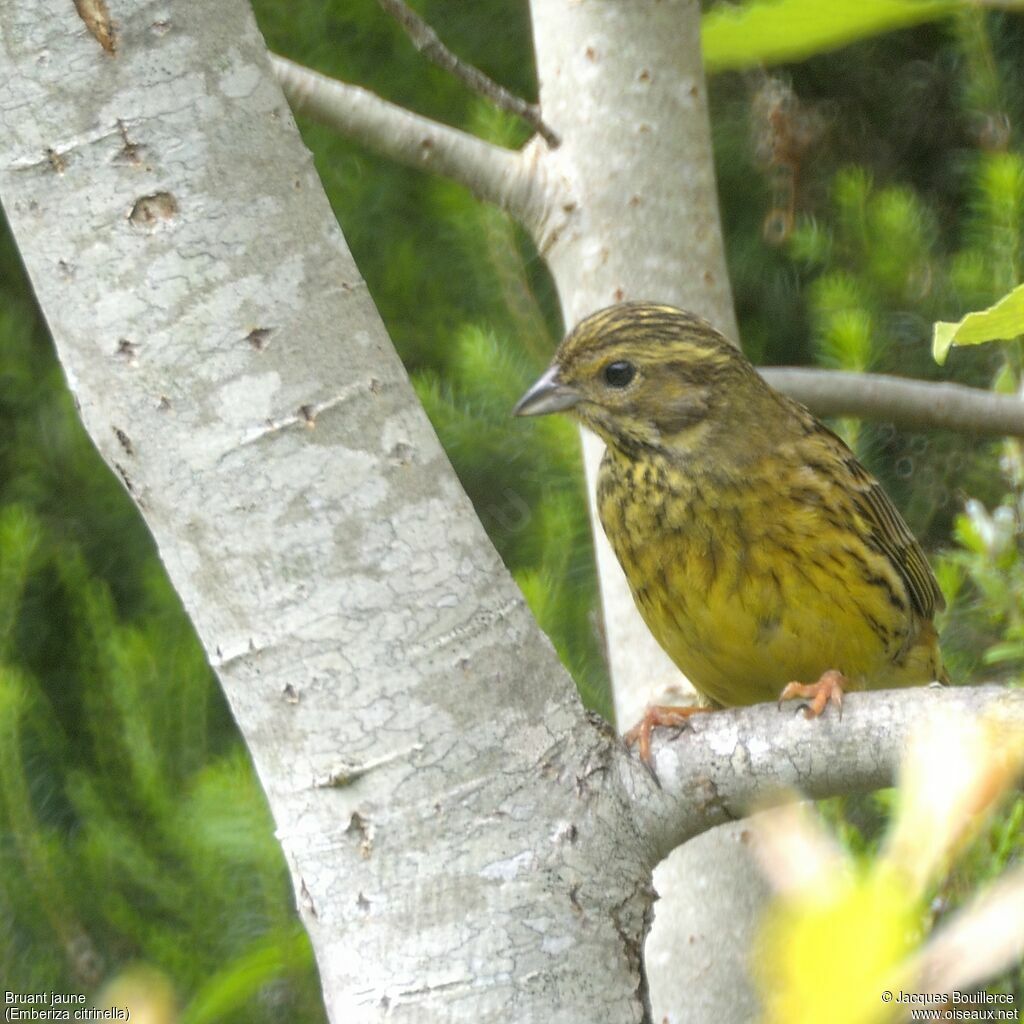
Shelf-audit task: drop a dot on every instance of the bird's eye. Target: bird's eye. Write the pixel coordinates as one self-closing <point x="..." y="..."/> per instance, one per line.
<point x="618" y="375"/>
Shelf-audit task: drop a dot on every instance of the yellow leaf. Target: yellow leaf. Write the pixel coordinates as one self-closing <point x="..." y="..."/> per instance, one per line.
<point x="830" y="956"/>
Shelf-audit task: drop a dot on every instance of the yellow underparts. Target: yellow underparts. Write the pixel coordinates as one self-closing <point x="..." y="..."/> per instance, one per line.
<point x="750" y="584"/>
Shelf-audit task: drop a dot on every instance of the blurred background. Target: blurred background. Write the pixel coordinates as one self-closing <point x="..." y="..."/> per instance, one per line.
<point x="869" y="186"/>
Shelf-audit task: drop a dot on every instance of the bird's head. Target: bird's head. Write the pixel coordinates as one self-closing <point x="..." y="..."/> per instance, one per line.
<point x="645" y="376"/>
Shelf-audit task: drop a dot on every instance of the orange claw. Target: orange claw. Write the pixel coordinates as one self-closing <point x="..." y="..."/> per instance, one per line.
<point x="658" y="715"/>
<point x="829" y="688"/>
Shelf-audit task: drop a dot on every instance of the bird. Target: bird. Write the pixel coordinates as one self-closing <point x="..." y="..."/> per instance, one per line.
<point x="762" y="555"/>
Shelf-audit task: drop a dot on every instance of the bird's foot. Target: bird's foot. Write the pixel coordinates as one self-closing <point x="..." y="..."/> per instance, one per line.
<point x="828" y="689"/>
<point x="658" y="715"/>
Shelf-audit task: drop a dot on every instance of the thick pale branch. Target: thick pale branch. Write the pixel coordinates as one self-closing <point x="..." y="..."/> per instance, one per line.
<point x="914" y="404"/>
<point x="495" y="174"/>
<point x="427" y="41"/>
<point x="731" y="762"/>
<point x="402" y="708"/>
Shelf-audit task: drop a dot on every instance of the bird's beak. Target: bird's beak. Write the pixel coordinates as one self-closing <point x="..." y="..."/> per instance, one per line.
<point x="548" y="394"/>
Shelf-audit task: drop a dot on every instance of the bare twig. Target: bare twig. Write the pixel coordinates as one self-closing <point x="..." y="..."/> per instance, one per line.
<point x="915" y="404"/>
<point x="426" y="40"/>
<point x="495" y="174"/>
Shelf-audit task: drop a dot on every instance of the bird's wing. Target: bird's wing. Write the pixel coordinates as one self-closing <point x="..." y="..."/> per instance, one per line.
<point x="889" y="533"/>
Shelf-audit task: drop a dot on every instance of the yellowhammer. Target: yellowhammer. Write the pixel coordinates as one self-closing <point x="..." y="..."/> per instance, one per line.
<point x="758" y="549"/>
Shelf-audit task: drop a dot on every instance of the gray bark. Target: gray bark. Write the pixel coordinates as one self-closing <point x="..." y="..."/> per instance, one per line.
<point x="911" y="404"/>
<point x="362" y="625"/>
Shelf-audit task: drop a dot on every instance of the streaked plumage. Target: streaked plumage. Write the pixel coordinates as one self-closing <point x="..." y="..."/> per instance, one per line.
<point x="758" y="549"/>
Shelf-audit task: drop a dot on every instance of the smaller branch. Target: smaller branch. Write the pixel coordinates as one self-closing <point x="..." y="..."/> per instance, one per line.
<point x="495" y="174"/>
<point x="729" y="764"/>
<point x="427" y="41"/>
<point x="913" y="404"/>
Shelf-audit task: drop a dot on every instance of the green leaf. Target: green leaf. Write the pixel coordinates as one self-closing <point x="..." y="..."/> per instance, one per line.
<point x="19" y="539"/>
<point x="241" y="980"/>
<point x="1001" y="322"/>
<point x="776" y="31"/>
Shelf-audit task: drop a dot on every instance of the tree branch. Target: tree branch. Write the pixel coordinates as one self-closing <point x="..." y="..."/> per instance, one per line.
<point x="497" y="175"/>
<point x="517" y="184"/>
<point x="427" y="41"/>
<point x="915" y="404"/>
<point x="731" y="762"/>
<point x="378" y="657"/>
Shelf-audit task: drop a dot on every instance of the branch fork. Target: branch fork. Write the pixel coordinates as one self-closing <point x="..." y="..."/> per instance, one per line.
<point x="538" y="186"/>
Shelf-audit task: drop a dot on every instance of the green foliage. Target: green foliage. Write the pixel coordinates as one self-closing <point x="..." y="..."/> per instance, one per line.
<point x="874" y="256"/>
<point x="992" y="264"/>
<point x="241" y="981"/>
<point x="1000" y="322"/>
<point x="984" y="575"/>
<point x="760" y="32"/>
<point x="884" y="263"/>
<point x="881" y="271"/>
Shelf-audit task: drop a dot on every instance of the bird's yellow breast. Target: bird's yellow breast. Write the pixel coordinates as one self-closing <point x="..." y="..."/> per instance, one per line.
<point x="751" y="582"/>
